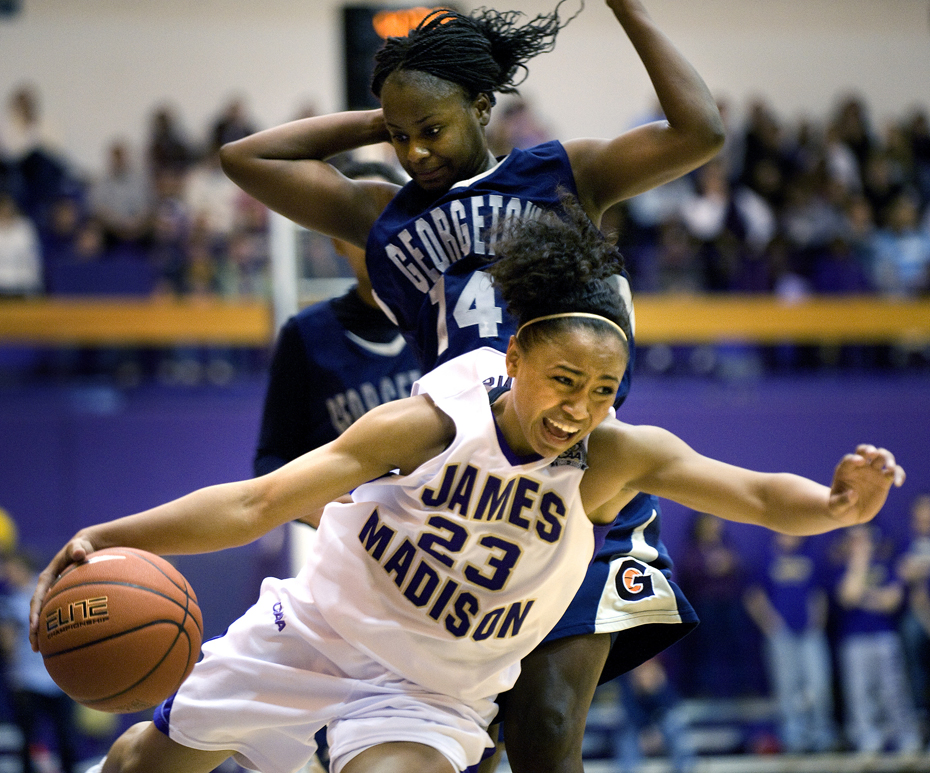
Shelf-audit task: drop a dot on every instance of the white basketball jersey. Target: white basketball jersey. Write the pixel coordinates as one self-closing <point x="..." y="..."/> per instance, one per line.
<point x="452" y="574"/>
<point x="482" y="365"/>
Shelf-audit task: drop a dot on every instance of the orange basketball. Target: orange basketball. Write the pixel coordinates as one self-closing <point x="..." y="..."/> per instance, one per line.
<point x="121" y="631"/>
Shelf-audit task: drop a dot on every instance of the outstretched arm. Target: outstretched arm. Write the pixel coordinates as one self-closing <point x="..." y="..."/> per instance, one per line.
<point x="233" y="514"/>
<point x="657" y="462"/>
<point x="285" y="168"/>
<point x="608" y="171"/>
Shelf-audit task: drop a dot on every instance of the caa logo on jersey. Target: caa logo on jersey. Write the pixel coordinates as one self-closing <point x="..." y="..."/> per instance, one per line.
<point x="634" y="581"/>
<point x="576" y="456"/>
<point x="279" y="622"/>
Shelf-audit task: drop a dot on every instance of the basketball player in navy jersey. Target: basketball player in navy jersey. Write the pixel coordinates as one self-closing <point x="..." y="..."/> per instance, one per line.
<point x="425" y="243"/>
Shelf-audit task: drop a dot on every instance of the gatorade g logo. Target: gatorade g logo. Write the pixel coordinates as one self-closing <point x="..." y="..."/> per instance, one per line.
<point x="633" y="581"/>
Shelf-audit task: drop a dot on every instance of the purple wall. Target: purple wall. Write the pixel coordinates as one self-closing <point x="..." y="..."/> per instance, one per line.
<point x="71" y="456"/>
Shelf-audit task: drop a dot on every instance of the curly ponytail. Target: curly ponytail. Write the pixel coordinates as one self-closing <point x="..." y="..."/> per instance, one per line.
<point x="556" y="265"/>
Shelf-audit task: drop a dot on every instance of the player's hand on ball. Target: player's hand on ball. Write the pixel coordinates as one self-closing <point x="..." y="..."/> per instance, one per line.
<point x="861" y="483"/>
<point x="74" y="552"/>
<point x="120" y="631"/>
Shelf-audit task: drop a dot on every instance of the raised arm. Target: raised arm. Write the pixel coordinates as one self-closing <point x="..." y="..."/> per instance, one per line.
<point x="285" y="168"/>
<point x="398" y="435"/>
<point x="657" y="462"/>
<point x="608" y="171"/>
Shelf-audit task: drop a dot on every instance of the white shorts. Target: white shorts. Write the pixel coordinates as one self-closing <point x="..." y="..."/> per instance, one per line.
<point x="280" y="673"/>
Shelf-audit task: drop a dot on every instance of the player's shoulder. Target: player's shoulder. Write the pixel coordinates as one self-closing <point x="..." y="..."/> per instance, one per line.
<point x="402" y="434"/>
<point x="310" y="317"/>
<point x="614" y="442"/>
<point x="549" y="155"/>
<point x="543" y="149"/>
<point x="615" y="432"/>
<point x="484" y="366"/>
<point x="415" y="422"/>
<point x="607" y="438"/>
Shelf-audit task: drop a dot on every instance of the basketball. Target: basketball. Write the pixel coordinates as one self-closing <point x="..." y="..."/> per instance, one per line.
<point x="121" y="631"/>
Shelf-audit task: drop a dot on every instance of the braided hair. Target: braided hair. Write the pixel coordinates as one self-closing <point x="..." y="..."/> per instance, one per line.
<point x="482" y="53"/>
<point x="557" y="265"/>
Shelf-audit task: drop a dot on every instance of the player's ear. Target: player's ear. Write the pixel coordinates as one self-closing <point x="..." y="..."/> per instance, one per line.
<point x="482" y="108"/>
<point x="513" y="356"/>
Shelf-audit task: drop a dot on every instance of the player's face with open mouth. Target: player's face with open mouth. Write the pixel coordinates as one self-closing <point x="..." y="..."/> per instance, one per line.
<point x="563" y="388"/>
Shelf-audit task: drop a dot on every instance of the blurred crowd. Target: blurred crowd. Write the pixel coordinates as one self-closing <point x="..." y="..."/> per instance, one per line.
<point x="843" y="624"/>
<point x="833" y="205"/>
<point x="164" y="213"/>
<point x="161" y="219"/>
<point x="824" y="205"/>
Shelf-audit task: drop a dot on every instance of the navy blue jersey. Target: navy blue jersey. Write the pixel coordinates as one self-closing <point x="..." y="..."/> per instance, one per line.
<point x="333" y="362"/>
<point x="425" y="253"/>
